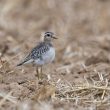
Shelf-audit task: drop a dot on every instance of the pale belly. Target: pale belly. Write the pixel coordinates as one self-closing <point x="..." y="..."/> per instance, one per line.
<point x="46" y="58"/>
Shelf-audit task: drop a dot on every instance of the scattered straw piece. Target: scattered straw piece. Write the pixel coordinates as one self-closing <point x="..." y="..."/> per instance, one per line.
<point x="7" y="97"/>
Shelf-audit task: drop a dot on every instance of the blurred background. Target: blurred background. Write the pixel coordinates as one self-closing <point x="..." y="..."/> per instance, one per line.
<point x="26" y="19"/>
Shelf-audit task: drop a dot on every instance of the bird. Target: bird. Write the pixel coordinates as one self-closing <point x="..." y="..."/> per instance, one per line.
<point x="43" y="53"/>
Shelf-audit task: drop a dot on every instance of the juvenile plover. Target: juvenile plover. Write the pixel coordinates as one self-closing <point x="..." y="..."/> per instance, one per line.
<point x="41" y="54"/>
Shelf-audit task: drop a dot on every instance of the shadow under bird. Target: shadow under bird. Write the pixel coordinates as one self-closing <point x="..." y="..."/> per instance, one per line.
<point x="41" y="54"/>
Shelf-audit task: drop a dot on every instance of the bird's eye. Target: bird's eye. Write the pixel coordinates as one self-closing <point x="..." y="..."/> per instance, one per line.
<point x="48" y="35"/>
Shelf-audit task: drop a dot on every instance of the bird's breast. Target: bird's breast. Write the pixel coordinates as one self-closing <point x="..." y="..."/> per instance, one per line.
<point x="46" y="57"/>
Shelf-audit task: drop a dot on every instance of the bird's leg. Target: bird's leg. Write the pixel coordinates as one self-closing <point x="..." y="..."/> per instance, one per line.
<point x="39" y="72"/>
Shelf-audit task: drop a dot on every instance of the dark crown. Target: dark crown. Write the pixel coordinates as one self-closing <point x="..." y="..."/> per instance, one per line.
<point x="49" y="33"/>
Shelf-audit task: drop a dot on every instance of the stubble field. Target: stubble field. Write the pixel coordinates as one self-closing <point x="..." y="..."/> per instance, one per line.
<point x="79" y="78"/>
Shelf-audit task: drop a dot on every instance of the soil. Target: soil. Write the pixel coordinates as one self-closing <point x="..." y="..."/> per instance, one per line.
<point x="82" y="55"/>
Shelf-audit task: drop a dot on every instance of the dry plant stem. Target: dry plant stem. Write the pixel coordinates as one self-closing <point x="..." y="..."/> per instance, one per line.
<point x="104" y="89"/>
<point x="5" y="98"/>
<point x="10" y="98"/>
<point x="81" y="87"/>
<point x="95" y="101"/>
<point x="74" y="98"/>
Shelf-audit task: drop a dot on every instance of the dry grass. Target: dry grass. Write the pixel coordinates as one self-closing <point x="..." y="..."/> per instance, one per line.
<point x="80" y="76"/>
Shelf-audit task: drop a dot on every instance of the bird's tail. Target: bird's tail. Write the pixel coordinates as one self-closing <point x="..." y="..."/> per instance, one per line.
<point x="21" y="63"/>
<point x="26" y="60"/>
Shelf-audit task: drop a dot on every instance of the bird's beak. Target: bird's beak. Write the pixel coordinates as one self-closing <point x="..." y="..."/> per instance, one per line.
<point x="54" y="37"/>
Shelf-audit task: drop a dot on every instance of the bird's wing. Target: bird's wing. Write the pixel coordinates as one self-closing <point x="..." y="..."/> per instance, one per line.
<point x="36" y="53"/>
<point x="39" y="50"/>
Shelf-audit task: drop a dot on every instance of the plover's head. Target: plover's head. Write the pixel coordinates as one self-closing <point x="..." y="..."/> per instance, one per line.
<point x="48" y="36"/>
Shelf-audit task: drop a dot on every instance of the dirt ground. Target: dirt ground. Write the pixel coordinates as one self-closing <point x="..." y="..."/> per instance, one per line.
<point x="79" y="78"/>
